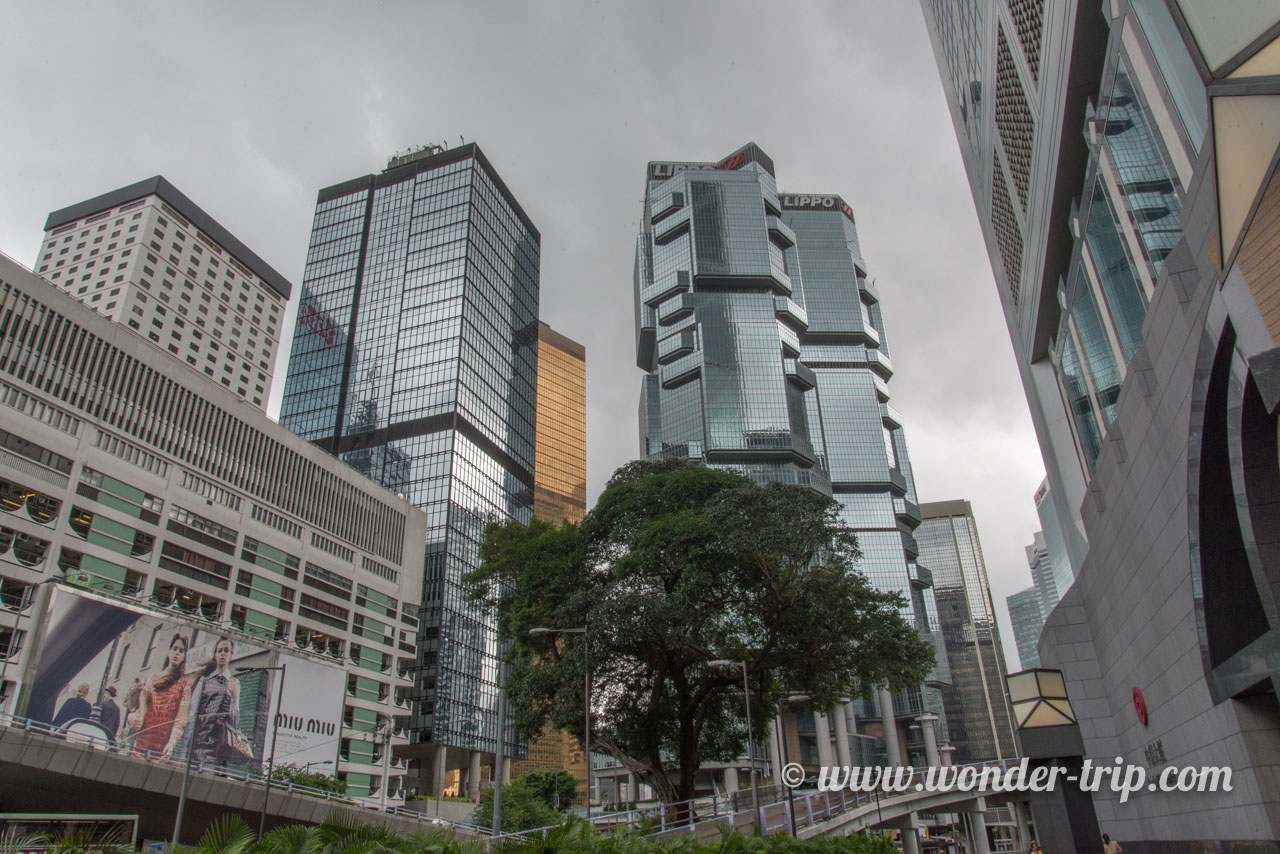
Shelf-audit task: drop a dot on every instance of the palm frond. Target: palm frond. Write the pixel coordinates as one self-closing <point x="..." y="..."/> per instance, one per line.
<point x="227" y="835"/>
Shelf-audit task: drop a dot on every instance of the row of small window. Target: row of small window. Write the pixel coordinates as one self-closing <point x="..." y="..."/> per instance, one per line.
<point x="203" y="530"/>
<point x="89" y="265"/>
<point x="94" y="573"/>
<point x="122" y="539"/>
<point x="43" y="412"/>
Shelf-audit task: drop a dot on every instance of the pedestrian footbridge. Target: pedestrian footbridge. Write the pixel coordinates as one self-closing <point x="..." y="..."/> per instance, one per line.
<point x="833" y="813"/>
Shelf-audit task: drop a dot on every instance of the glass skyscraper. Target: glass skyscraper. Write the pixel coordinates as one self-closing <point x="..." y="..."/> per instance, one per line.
<point x="414" y="359"/>
<point x="977" y="713"/>
<point x="765" y="352"/>
<point x="1026" y="613"/>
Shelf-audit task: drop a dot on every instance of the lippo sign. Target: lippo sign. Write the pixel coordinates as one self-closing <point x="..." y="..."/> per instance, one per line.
<point x="159" y="687"/>
<point x="794" y="202"/>
<point x="749" y="153"/>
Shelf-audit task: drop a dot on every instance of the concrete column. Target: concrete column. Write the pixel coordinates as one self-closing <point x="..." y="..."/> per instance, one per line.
<point x="1024" y="832"/>
<point x="473" y="776"/>
<point x="633" y="790"/>
<point x="978" y="826"/>
<point x="730" y="780"/>
<point x="440" y="765"/>
<point x="946" y="750"/>
<point x="927" y="724"/>
<point x="775" y="748"/>
<point x="506" y="771"/>
<point x="851" y="724"/>
<point x="891" y="745"/>
<point x="911" y="840"/>
<point x="824" y="739"/>
<point x="842" y="733"/>
<point x="850" y="717"/>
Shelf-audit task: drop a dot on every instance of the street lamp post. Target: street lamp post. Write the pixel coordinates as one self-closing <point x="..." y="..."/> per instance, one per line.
<point x="275" y="728"/>
<point x="325" y="762"/>
<point x="786" y="760"/>
<point x="751" y="746"/>
<point x="499" y="759"/>
<point x="586" y="666"/>
<point x="186" y="777"/>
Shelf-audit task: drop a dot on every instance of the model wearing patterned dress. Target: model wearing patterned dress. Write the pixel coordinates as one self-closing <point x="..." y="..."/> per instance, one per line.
<point x="162" y="711"/>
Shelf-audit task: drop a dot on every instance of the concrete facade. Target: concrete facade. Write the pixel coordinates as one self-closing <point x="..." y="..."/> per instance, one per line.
<point x="1158" y="309"/>
<point x="148" y="257"/>
<point x="138" y="481"/>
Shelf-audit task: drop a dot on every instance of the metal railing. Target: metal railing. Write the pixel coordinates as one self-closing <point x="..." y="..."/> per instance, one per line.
<point x="95" y="742"/>
<point x="781" y="810"/>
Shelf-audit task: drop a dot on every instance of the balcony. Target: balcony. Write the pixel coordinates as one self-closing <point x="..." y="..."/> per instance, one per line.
<point x="680" y="371"/>
<point x="791" y="312"/>
<point x="907" y="510"/>
<point x="664" y="206"/>
<point x="799" y="373"/>
<point x="781" y="232"/>
<point x="670" y="284"/>
<point x="921" y="577"/>
<point x="671" y="227"/>
<point x="676" y="346"/>
<point x="790" y="340"/>
<point x="909" y="545"/>
<point x="880" y="363"/>
<point x="675" y="308"/>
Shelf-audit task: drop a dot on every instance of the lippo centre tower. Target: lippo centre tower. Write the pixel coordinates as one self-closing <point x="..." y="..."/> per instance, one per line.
<point x="765" y="352"/>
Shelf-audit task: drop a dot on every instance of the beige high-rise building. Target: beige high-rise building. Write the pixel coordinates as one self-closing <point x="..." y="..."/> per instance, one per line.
<point x="560" y="452"/>
<point x="148" y="257"/>
<point x="559" y="494"/>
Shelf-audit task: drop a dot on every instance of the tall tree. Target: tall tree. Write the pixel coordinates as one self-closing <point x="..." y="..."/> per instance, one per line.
<point x="678" y="565"/>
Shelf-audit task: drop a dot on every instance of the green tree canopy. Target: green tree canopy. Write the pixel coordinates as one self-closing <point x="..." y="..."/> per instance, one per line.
<point x="524" y="806"/>
<point x="556" y="788"/>
<point x="678" y="565"/>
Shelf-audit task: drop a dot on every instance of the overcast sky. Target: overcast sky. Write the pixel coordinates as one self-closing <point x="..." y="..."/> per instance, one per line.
<point x="250" y="108"/>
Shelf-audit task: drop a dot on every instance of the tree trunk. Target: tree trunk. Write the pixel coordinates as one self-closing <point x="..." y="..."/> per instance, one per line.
<point x="649" y="772"/>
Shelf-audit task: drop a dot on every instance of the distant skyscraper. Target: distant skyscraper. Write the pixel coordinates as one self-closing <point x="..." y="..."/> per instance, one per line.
<point x="1029" y="608"/>
<point x="765" y="351"/>
<point x="1054" y="541"/>
<point x="977" y="712"/>
<point x="1042" y="577"/>
<point x="148" y="257"/>
<point x="560" y="453"/>
<point x="415" y="360"/>
<point x="1026" y="612"/>
<point x="559" y="495"/>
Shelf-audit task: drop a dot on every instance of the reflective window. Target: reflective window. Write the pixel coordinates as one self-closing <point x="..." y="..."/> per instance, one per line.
<point x="1176" y="66"/>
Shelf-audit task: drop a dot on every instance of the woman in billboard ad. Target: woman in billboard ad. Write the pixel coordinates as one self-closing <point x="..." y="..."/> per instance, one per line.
<point x="215" y="711"/>
<point x="163" y="705"/>
<point x="177" y="682"/>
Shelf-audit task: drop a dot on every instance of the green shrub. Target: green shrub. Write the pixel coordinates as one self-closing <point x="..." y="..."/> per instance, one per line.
<point x="299" y="776"/>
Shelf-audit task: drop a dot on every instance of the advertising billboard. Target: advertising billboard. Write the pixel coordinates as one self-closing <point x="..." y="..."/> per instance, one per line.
<point x="158" y="686"/>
